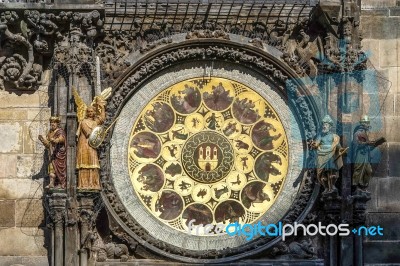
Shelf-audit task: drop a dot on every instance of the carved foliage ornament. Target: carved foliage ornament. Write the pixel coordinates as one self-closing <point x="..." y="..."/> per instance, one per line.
<point x="23" y="35"/>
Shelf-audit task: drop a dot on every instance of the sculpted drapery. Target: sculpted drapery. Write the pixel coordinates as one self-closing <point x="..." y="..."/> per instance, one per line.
<point x="87" y="161"/>
<point x="55" y="142"/>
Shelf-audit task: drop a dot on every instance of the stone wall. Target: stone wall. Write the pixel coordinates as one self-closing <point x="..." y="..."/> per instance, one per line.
<point x="23" y="115"/>
<point x="380" y="22"/>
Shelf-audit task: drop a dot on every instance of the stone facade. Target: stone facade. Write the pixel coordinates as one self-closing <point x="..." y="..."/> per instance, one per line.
<point x="379" y="20"/>
<point x="29" y="216"/>
<point x="22" y="224"/>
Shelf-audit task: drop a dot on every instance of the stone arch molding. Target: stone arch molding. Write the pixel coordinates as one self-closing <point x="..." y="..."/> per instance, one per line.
<point x="176" y="62"/>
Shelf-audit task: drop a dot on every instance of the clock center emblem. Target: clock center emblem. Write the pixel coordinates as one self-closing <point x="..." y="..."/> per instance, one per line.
<point x="207" y="157"/>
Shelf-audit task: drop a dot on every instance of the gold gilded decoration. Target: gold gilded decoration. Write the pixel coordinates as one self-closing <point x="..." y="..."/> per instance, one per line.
<point x="89" y="118"/>
<point x="214" y="152"/>
<point x="207" y="157"/>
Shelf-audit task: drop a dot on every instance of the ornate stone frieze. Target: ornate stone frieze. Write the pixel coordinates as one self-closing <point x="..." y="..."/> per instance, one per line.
<point x="344" y="54"/>
<point x="16" y="69"/>
<point x="207" y="29"/>
<point x="26" y="36"/>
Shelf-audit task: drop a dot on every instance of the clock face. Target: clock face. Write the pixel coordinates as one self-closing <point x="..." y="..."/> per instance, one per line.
<point x="214" y="151"/>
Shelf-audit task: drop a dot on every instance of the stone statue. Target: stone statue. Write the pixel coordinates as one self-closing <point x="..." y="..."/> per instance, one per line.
<point x="55" y="142"/>
<point x="361" y="149"/>
<point x="329" y="155"/>
<point x="89" y="118"/>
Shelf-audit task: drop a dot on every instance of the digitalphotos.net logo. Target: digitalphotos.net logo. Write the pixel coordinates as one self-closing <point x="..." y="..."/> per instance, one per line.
<point x="250" y="231"/>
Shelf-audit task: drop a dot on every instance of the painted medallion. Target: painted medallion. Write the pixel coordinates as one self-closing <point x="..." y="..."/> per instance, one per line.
<point x="210" y="150"/>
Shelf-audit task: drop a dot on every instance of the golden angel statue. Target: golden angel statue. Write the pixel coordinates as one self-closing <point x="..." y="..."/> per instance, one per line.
<point x="89" y="117"/>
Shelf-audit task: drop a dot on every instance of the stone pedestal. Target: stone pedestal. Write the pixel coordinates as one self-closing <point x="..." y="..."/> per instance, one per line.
<point x="57" y="206"/>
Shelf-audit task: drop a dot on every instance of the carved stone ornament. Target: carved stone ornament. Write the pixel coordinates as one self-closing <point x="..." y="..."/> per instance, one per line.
<point x="23" y="35"/>
<point x="226" y="53"/>
<point x="14" y="68"/>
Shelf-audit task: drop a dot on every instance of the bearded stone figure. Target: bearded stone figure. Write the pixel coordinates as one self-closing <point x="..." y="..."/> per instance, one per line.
<point x="329" y="155"/>
<point x="87" y="161"/>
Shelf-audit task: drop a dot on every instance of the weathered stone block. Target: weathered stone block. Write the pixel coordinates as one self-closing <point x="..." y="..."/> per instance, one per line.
<point x="31" y="131"/>
<point x="381" y="252"/>
<point x="7" y="213"/>
<point x="29" y="213"/>
<point x="11" y="137"/>
<point x="394" y="155"/>
<point x="372" y="205"/>
<point x="397" y="105"/>
<point x="20" y="189"/>
<point x="31" y="166"/>
<point x="22" y="242"/>
<point x="387" y="103"/>
<point x="388" y="221"/>
<point x="38" y="114"/>
<point x="371" y="47"/>
<point x="375" y="12"/>
<point x="392" y="125"/>
<point x="375" y="27"/>
<point x="30" y="141"/>
<point x="381" y="167"/>
<point x="394" y="11"/>
<point x="8" y="165"/>
<point x="389" y="53"/>
<point x="388" y="194"/>
<point x="375" y="3"/>
<point x="19" y="100"/>
<point x="393" y="79"/>
<point x="26" y="261"/>
<point x="373" y="106"/>
<point x="13" y="114"/>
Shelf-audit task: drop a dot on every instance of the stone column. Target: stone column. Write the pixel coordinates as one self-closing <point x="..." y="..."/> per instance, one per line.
<point x="360" y="199"/>
<point x="86" y="224"/>
<point x="332" y="207"/>
<point x="57" y="206"/>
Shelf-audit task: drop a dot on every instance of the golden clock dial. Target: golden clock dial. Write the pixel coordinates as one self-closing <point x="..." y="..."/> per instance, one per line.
<point x="214" y="151"/>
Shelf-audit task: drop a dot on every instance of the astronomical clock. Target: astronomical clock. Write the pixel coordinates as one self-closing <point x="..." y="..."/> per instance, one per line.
<point x="214" y="151"/>
<point x="189" y="150"/>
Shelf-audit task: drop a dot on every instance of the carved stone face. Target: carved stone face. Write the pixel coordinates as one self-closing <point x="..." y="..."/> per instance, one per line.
<point x="366" y="125"/>
<point x="90" y="112"/>
<point x="53" y="125"/>
<point x="326" y="127"/>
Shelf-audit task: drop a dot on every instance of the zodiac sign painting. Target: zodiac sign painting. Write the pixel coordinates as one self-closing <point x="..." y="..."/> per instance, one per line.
<point x="207" y="151"/>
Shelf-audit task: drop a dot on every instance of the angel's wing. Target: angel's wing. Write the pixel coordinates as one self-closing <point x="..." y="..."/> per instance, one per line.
<point x="80" y="105"/>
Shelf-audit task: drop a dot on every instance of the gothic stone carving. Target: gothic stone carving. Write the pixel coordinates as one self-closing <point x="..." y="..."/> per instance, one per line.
<point x="302" y="249"/>
<point x="35" y="32"/>
<point x="22" y="73"/>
